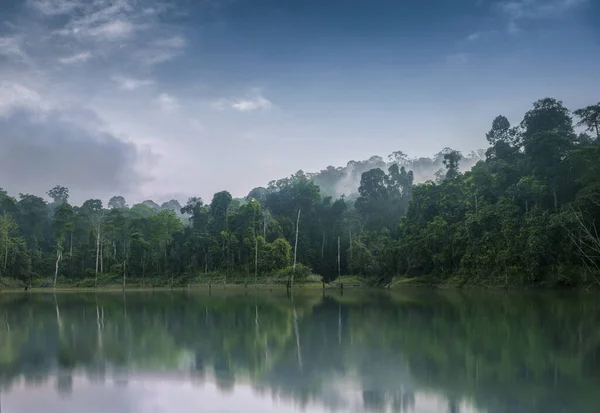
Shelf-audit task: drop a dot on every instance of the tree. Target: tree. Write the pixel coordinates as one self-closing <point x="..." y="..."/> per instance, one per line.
<point x="92" y="209"/>
<point x="500" y="131"/>
<point x="164" y="225"/>
<point x="398" y="157"/>
<point x="451" y="161"/>
<point x="62" y="224"/>
<point x="218" y="211"/>
<point x="117" y="202"/>
<point x="590" y="118"/>
<point x="59" y="194"/>
<point x="8" y="233"/>
<point x="547" y="115"/>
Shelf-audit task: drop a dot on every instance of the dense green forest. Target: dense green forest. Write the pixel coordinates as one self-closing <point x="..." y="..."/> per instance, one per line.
<point x="523" y="215"/>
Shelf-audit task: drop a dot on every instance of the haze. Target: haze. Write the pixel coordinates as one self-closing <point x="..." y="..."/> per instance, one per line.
<point x="171" y="99"/>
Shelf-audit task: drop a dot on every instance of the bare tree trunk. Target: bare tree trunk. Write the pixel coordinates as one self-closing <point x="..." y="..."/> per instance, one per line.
<point x="339" y="260"/>
<point x="97" y="253"/>
<point x="255" y="259"/>
<point x="295" y="249"/>
<point x="5" y="257"/>
<point x="555" y="199"/>
<point x="101" y="257"/>
<point x="124" y="274"/>
<point x="71" y="247"/>
<point x="58" y="259"/>
<point x="323" y="245"/>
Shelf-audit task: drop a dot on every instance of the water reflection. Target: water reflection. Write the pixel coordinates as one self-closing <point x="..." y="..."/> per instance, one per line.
<point x="230" y="352"/>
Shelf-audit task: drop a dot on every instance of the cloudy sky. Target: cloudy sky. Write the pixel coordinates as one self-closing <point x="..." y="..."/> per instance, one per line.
<point x="160" y="99"/>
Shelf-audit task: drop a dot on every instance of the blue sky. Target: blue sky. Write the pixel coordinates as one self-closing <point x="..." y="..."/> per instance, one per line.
<point x="160" y="99"/>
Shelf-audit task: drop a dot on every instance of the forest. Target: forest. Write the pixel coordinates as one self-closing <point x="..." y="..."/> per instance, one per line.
<point x="521" y="213"/>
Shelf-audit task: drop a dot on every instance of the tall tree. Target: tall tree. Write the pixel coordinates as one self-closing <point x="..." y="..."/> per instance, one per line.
<point x="452" y="161"/>
<point x="117" y="202"/>
<point x="590" y="118"/>
<point x="59" y="194"/>
<point x="92" y="209"/>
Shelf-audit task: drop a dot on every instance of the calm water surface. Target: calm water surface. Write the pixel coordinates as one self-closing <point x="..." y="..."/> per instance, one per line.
<point x="264" y="352"/>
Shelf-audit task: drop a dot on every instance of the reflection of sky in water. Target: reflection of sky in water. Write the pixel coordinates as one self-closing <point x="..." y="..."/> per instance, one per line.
<point x="419" y="352"/>
<point x="150" y="393"/>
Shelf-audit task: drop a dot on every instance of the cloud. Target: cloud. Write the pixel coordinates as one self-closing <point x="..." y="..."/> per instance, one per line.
<point x="128" y="83"/>
<point x="113" y="30"/>
<point x="41" y="149"/>
<point x="54" y="7"/>
<point x="161" y="50"/>
<point x="76" y="58"/>
<point x="538" y="9"/>
<point x="255" y="101"/>
<point x="175" y="42"/>
<point x="15" y="95"/>
<point x="10" y="46"/>
<point x="101" y="20"/>
<point x="167" y="102"/>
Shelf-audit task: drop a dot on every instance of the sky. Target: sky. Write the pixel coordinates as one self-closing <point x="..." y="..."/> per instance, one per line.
<point x="161" y="99"/>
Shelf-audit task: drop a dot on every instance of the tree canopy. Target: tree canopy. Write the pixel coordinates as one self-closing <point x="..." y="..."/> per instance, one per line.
<point x="524" y="211"/>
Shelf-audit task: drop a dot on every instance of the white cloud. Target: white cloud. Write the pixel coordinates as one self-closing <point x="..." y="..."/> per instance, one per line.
<point x="76" y="58"/>
<point x="113" y="30"/>
<point x="175" y="42"/>
<point x="54" y="7"/>
<point x="255" y="103"/>
<point x="129" y="83"/>
<point x="537" y="9"/>
<point x="100" y="19"/>
<point x="167" y="102"/>
<point x="15" y="95"/>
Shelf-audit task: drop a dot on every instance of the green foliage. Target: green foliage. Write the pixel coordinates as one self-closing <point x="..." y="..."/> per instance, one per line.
<point x="525" y="215"/>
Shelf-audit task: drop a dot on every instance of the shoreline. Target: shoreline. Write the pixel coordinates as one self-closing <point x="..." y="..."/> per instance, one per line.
<point x="299" y="287"/>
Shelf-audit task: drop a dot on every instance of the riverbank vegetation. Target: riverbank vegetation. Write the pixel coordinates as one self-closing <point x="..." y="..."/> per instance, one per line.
<point x="523" y="215"/>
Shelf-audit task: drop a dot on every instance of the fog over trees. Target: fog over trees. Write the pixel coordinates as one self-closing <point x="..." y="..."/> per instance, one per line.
<point x="523" y="211"/>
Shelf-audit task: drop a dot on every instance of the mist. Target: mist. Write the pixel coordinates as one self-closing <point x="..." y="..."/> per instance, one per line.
<point x="338" y="181"/>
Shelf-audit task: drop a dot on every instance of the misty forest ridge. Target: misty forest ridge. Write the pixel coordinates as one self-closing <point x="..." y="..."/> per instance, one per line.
<point x="172" y="239"/>
<point x="525" y="213"/>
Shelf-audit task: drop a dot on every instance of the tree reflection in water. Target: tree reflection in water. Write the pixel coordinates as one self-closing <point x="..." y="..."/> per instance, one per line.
<point x="385" y="352"/>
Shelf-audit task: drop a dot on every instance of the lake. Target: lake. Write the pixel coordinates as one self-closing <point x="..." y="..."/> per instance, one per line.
<point x="259" y="351"/>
